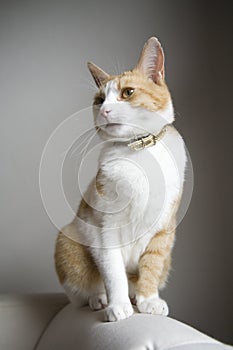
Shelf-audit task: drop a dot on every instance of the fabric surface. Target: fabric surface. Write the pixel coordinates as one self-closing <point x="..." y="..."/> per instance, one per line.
<point x="80" y="328"/>
<point x="201" y="346"/>
<point x="24" y="318"/>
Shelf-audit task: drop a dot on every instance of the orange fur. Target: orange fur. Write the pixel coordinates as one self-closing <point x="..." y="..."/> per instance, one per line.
<point x="152" y="266"/>
<point x="155" y="262"/>
<point x="147" y="94"/>
<point x="99" y="185"/>
<point x="74" y="264"/>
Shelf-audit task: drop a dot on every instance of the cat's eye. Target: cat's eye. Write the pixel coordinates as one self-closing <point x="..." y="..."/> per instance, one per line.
<point x="99" y="100"/>
<point x="127" y="92"/>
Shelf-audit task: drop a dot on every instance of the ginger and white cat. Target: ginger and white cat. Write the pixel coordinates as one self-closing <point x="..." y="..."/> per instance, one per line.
<point x="128" y="214"/>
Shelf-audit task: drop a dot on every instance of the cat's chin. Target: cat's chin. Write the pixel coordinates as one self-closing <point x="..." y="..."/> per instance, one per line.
<point x="115" y="130"/>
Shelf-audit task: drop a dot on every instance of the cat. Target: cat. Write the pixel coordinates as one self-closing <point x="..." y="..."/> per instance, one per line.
<point x="127" y="216"/>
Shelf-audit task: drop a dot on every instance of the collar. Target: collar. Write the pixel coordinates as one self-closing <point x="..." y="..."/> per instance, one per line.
<point x="148" y="140"/>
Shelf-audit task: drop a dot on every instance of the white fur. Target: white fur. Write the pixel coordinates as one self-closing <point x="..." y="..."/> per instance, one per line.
<point x="152" y="305"/>
<point x="139" y="190"/>
<point x="132" y="122"/>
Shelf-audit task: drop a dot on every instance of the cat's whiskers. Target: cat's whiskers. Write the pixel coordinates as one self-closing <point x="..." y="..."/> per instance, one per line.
<point x="116" y="68"/>
<point x="134" y="134"/>
<point x="177" y="114"/>
<point x="81" y="143"/>
<point x="86" y="143"/>
<point x="89" y="83"/>
<point x="83" y="151"/>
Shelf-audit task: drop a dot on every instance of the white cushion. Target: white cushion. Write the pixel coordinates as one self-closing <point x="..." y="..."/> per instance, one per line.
<point x="82" y="329"/>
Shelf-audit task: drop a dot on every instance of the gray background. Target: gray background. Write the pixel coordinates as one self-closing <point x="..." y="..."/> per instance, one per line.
<point x="43" y="75"/>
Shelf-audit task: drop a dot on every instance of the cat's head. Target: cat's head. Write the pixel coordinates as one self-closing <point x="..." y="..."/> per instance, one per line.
<point x="135" y="102"/>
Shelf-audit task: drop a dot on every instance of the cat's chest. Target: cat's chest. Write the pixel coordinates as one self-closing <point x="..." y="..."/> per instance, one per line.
<point x="146" y="173"/>
<point x="124" y="181"/>
<point x="127" y="171"/>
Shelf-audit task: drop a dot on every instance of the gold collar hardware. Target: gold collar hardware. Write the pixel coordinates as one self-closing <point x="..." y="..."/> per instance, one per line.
<point x="148" y="140"/>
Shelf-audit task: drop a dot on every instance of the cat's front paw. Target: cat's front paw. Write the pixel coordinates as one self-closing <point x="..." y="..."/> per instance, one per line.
<point x="155" y="306"/>
<point x="117" y="312"/>
<point x="97" y="301"/>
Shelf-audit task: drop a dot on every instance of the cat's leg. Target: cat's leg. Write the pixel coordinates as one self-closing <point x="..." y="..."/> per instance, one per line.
<point x="95" y="296"/>
<point x="132" y="279"/>
<point x="78" y="273"/>
<point x="153" y="270"/>
<point x="97" y="299"/>
<point x="111" y="266"/>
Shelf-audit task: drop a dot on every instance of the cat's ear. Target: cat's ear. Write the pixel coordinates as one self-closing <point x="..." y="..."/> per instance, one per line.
<point x="98" y="74"/>
<point x="151" y="61"/>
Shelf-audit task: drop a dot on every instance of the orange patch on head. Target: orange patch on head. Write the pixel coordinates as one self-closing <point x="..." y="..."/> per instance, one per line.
<point x="146" y="79"/>
<point x="146" y="94"/>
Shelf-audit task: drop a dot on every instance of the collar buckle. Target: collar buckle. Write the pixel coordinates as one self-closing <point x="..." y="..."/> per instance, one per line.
<point x="148" y="140"/>
<point x="142" y="142"/>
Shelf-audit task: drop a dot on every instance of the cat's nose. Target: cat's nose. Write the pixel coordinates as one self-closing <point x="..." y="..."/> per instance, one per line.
<point x="105" y="112"/>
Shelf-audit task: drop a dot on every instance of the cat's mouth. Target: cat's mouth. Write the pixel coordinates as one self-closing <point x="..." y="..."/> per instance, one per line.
<point x="113" y="125"/>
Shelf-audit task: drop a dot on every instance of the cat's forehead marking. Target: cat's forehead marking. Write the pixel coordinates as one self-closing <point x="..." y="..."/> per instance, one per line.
<point x="111" y="91"/>
<point x="111" y="86"/>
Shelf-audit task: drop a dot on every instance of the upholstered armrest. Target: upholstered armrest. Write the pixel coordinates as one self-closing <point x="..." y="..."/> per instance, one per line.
<point x="83" y="329"/>
<point x="48" y="322"/>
